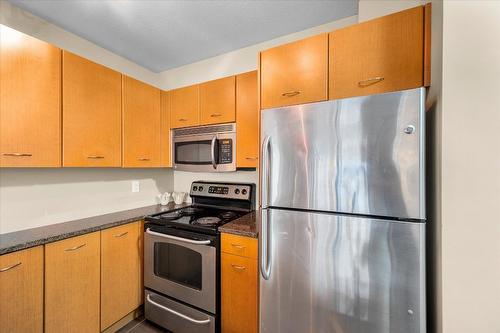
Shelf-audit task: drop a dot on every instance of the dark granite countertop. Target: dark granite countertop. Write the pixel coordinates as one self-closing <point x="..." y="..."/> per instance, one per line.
<point x="23" y="239"/>
<point x="243" y="226"/>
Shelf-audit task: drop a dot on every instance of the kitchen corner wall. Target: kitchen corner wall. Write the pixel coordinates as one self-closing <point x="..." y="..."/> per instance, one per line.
<point x="36" y="197"/>
<point x="235" y="62"/>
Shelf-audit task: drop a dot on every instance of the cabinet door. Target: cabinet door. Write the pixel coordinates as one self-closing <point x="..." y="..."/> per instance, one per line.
<point x="30" y="101"/>
<point x="120" y="273"/>
<point x="21" y="291"/>
<point x="239" y="294"/>
<point x="185" y="107"/>
<point x="218" y="101"/>
<point x="166" y="144"/>
<point x="381" y="55"/>
<point x="72" y="284"/>
<point x="247" y="121"/>
<point x="295" y="73"/>
<point x="91" y="114"/>
<point x="141" y="124"/>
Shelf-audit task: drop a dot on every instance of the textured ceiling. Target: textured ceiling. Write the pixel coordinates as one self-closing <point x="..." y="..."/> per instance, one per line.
<point x="160" y="35"/>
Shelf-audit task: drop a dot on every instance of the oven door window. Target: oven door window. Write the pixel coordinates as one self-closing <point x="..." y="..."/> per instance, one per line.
<point x="178" y="264"/>
<point x="195" y="152"/>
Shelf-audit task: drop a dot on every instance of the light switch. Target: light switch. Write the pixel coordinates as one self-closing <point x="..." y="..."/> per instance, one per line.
<point x="136" y="186"/>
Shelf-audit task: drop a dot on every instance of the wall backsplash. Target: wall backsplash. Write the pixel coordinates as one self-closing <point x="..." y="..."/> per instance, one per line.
<point x="36" y="197"/>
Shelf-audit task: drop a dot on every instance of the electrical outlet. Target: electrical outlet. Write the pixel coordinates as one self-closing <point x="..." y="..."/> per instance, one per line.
<point x="136" y="186"/>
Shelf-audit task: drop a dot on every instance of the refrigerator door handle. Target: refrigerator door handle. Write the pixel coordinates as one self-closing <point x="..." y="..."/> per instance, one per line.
<point x="266" y="175"/>
<point x="265" y="260"/>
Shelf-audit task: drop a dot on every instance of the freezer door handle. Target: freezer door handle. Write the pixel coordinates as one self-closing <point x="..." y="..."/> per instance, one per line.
<point x="265" y="259"/>
<point x="266" y="174"/>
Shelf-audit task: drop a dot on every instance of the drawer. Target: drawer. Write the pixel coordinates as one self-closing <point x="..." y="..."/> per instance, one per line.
<point x="240" y="245"/>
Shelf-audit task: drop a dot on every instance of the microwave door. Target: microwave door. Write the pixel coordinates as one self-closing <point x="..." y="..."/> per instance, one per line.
<point x="196" y="153"/>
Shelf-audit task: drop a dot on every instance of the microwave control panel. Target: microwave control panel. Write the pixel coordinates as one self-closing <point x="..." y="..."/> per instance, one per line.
<point x="225" y="151"/>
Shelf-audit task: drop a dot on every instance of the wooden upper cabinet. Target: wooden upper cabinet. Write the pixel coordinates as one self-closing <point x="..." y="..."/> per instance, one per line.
<point x="295" y="73"/>
<point x="165" y="145"/>
<point x="218" y="101"/>
<point x="247" y="120"/>
<point x="21" y="291"/>
<point x="185" y="107"/>
<point x="121" y="288"/>
<point x="72" y="284"/>
<point x="382" y="55"/>
<point x="30" y="101"/>
<point x="91" y="114"/>
<point x="141" y="124"/>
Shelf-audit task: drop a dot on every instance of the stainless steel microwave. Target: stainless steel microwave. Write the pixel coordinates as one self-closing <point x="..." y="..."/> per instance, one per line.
<point x="205" y="148"/>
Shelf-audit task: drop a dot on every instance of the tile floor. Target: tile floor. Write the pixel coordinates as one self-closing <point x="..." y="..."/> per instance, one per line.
<point x="141" y="325"/>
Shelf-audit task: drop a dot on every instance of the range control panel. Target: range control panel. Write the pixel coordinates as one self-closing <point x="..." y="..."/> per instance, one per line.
<point x="229" y="191"/>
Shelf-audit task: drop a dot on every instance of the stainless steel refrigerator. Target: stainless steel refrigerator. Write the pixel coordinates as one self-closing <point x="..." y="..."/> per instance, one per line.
<point x="342" y="242"/>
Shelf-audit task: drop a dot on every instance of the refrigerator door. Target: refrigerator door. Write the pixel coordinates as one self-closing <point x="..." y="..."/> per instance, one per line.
<point x="362" y="155"/>
<point x="340" y="274"/>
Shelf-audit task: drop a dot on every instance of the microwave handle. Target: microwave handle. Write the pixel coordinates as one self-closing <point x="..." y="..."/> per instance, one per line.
<point x="214" y="162"/>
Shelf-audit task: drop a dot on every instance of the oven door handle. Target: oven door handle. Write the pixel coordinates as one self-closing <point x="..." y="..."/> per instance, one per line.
<point x="180" y="239"/>
<point x="212" y="148"/>
<point x="194" y="321"/>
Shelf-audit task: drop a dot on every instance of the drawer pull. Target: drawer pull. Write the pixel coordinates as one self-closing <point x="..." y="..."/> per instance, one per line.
<point x="182" y="119"/>
<point x="144" y="159"/>
<point x="95" y="157"/>
<point x="122" y="234"/>
<point x="290" y="93"/>
<point x="74" y="248"/>
<point x="370" y="81"/>
<point x="251" y="158"/>
<point x="238" y="267"/>
<point x="238" y="246"/>
<point x="178" y="314"/>
<point x="8" y="268"/>
<point x="17" y="154"/>
<point x="215" y="115"/>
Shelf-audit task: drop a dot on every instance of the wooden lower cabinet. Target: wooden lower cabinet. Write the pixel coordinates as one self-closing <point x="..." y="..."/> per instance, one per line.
<point x="239" y="285"/>
<point x="121" y="289"/>
<point x="21" y="291"/>
<point x="72" y="285"/>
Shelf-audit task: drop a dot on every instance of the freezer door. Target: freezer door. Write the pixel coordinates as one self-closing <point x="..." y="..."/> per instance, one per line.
<point x="326" y="273"/>
<point x="362" y="155"/>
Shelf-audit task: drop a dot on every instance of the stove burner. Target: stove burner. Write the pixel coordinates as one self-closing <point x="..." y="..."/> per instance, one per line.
<point x="170" y="215"/>
<point x="209" y="220"/>
<point x="190" y="210"/>
<point x="227" y="215"/>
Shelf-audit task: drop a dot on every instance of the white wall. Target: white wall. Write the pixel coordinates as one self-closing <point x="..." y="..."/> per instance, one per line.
<point x="36" y="197"/>
<point x="369" y="9"/>
<point x="238" y="61"/>
<point x="471" y="167"/>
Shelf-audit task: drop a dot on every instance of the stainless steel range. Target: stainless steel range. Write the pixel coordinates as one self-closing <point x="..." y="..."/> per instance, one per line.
<point x="182" y="257"/>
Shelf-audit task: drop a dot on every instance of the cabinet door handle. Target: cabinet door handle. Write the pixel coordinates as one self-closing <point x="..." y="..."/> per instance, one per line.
<point x="74" y="248"/>
<point x="122" y="234"/>
<point x="251" y="158"/>
<point x="370" y="81"/>
<point x="143" y="159"/>
<point x="8" y="268"/>
<point x="17" y="154"/>
<point x="238" y="267"/>
<point x="182" y="119"/>
<point x="95" y="157"/>
<point x="215" y="115"/>
<point x="290" y="93"/>
<point x="238" y="246"/>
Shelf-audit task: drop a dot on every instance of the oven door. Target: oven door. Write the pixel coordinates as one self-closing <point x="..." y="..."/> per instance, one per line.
<point x="215" y="152"/>
<point x="182" y="268"/>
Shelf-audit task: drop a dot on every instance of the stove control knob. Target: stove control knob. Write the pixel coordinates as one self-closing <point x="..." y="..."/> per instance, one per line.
<point x="195" y="188"/>
<point x="200" y="188"/>
<point x="244" y="191"/>
<point x="237" y="191"/>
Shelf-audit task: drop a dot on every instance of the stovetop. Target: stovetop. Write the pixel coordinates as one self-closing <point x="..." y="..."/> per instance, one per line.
<point x="202" y="219"/>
